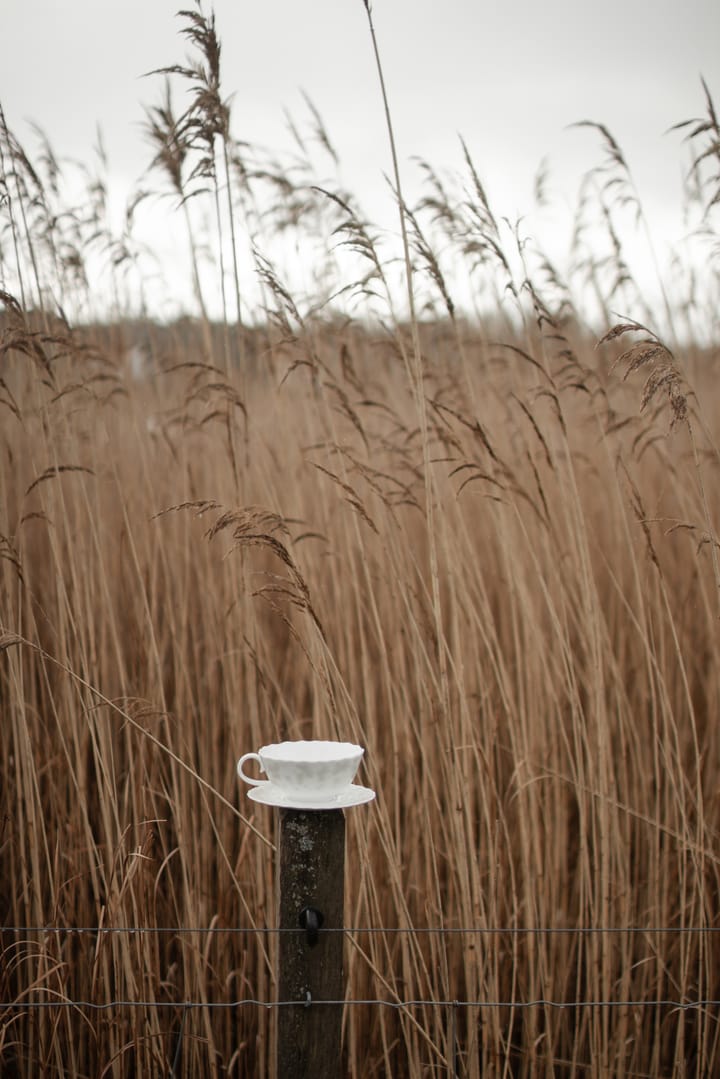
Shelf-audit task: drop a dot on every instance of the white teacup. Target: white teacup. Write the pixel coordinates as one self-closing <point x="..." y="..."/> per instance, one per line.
<point x="306" y="771"/>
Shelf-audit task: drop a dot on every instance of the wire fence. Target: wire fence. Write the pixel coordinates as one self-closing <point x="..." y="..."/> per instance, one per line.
<point x="98" y="932"/>
<point x="454" y="1014"/>
<point x="190" y="1005"/>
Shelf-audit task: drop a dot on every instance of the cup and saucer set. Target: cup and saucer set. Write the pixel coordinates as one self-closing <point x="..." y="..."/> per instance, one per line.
<point x="307" y="775"/>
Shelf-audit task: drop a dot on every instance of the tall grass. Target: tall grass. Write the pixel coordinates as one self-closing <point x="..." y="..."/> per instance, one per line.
<point x="508" y="591"/>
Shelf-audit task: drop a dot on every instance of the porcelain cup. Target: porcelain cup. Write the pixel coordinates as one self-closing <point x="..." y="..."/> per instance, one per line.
<point x="305" y="770"/>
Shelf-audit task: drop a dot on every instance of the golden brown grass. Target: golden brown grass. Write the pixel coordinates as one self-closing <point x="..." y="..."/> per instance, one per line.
<point x="567" y="779"/>
<point x="218" y="556"/>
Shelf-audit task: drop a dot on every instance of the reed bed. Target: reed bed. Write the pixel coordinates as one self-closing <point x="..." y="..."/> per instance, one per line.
<point x="485" y="548"/>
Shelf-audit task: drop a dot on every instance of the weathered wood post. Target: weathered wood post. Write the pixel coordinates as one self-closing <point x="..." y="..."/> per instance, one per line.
<point x="311" y="783"/>
<point x="311" y="864"/>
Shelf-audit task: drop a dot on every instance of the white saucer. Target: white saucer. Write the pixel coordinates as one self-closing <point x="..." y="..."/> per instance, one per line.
<point x="268" y="794"/>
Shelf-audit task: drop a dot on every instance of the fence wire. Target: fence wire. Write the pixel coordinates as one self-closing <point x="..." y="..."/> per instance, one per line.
<point x="309" y="1002"/>
<point x="189" y="1005"/>
<point x="355" y="930"/>
<point x="458" y="1013"/>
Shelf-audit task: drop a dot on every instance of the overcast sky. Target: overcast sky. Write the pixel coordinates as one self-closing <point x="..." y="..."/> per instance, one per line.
<point x="509" y="78"/>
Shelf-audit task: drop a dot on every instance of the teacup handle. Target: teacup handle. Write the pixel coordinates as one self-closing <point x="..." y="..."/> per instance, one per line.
<point x="249" y="779"/>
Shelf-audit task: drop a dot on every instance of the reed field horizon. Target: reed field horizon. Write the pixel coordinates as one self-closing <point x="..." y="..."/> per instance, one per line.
<point x="481" y="540"/>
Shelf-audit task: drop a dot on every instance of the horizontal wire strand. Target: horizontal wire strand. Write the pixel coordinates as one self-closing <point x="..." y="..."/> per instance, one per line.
<point x="399" y="1004"/>
<point x="419" y="931"/>
<point x="371" y="1002"/>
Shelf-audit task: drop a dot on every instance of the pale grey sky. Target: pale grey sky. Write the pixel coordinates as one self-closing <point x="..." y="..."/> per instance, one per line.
<point x="509" y="77"/>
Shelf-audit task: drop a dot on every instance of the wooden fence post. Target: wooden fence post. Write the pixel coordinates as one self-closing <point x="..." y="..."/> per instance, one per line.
<point x="311" y="887"/>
